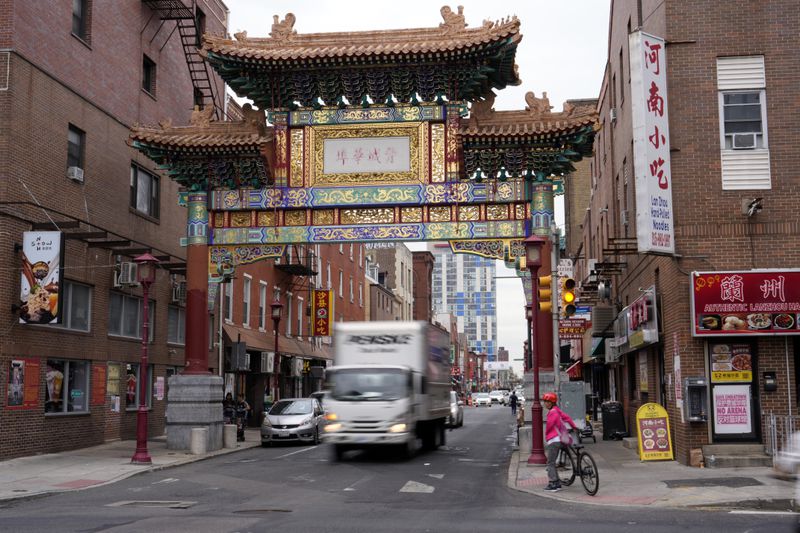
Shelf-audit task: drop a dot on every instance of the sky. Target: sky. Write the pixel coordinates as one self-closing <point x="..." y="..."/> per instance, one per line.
<point x="563" y="52"/>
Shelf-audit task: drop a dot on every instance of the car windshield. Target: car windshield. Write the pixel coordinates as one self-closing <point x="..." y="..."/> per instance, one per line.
<point x="482" y="395"/>
<point x="369" y="384"/>
<point x="291" y="407"/>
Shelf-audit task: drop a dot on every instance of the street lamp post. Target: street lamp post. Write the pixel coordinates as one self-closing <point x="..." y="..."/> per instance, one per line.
<point x="529" y="317"/>
<point x="146" y="275"/>
<point x="277" y="308"/>
<point x="533" y="256"/>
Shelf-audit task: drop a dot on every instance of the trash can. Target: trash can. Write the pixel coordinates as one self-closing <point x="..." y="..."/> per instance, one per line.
<point x="613" y="419"/>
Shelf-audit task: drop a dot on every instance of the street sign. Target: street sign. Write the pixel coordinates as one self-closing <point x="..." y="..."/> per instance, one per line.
<point x="565" y="268"/>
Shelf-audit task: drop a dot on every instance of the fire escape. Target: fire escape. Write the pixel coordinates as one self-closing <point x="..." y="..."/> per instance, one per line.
<point x="190" y="29"/>
<point x="297" y="265"/>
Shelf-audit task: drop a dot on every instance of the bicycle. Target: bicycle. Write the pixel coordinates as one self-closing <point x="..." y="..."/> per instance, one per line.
<point x="574" y="461"/>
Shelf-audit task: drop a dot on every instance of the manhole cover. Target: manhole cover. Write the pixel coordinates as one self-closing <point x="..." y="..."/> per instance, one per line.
<point x="152" y="503"/>
<point x="263" y="511"/>
<point x="733" y="482"/>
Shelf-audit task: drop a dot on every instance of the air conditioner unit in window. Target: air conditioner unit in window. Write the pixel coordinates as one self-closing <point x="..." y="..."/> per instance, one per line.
<point x="612" y="114"/>
<point x="126" y="275"/>
<point x="179" y="292"/>
<point x="744" y="141"/>
<point x="75" y="174"/>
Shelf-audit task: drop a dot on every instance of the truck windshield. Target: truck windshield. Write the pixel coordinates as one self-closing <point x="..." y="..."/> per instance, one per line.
<point x="369" y="384"/>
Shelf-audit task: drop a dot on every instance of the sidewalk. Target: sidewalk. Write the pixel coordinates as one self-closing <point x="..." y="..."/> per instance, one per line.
<point x="626" y="481"/>
<point x="99" y="465"/>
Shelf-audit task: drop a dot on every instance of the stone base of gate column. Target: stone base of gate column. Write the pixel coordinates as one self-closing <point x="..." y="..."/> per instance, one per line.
<point x="194" y="401"/>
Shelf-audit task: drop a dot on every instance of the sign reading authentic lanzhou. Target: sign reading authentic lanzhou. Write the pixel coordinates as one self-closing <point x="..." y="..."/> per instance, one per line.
<point x="755" y="302"/>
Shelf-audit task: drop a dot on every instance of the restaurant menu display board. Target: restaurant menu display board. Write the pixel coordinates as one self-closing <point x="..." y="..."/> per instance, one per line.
<point x="23" y="384"/>
<point x="731" y="362"/>
<point x="754" y="302"/>
<point x="652" y="427"/>
<point x="40" y="287"/>
<point x="98" y="384"/>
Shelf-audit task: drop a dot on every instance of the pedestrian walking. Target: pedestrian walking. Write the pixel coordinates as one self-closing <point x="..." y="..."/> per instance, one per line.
<point x="242" y="414"/>
<point x="556" y="435"/>
<point x="512" y="400"/>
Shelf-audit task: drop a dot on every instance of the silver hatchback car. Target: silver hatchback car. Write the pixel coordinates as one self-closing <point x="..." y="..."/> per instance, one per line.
<point x="293" y="420"/>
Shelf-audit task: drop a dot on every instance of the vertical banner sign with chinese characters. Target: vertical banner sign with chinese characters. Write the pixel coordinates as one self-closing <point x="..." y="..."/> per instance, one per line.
<point x="321" y="312"/>
<point x="40" y="290"/>
<point x="751" y="302"/>
<point x="654" y="220"/>
<point x="652" y="426"/>
<point x="23" y="384"/>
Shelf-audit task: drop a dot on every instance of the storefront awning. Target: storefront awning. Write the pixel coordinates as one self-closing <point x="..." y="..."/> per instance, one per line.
<point x="576" y="370"/>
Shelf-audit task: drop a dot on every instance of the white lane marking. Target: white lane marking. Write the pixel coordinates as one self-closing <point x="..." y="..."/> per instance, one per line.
<point x="413" y="486"/>
<point x="467" y="460"/>
<point x="166" y="480"/>
<point x="248" y="460"/>
<point x="294" y="453"/>
<point x="745" y="511"/>
<point x="437" y="476"/>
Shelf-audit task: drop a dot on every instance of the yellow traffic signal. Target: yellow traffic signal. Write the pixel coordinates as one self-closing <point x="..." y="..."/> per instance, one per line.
<point x="568" y="297"/>
<point x="544" y="296"/>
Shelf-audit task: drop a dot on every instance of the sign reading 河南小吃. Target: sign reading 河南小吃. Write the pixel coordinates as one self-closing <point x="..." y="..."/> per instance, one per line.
<point x="649" y="113"/>
<point x="652" y="428"/>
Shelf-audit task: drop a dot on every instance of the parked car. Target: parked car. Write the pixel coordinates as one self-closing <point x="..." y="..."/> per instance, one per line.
<point x="481" y="398"/>
<point x="496" y="396"/>
<point x="456" y="418"/>
<point x="320" y="396"/>
<point x="293" y="420"/>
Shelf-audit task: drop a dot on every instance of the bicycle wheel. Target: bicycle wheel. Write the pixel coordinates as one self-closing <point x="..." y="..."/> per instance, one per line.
<point x="589" y="475"/>
<point x="565" y="467"/>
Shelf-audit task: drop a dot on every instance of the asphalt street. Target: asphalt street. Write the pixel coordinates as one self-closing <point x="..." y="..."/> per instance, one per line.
<point x="462" y="487"/>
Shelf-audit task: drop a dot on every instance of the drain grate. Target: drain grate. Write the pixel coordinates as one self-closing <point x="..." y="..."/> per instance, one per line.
<point x="164" y="504"/>
<point x="732" y="482"/>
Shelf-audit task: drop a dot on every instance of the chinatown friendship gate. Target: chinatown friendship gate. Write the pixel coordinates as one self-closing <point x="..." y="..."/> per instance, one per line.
<point x="373" y="136"/>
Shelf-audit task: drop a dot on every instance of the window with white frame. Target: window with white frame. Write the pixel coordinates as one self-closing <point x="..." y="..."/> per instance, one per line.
<point x="262" y="305"/>
<point x="246" y="300"/>
<point x="341" y="284"/>
<point x="228" y="301"/>
<point x="76" y="307"/>
<point x="288" y="314"/>
<point x="176" y="325"/>
<point x="125" y="316"/>
<point x="352" y="294"/>
<point x="144" y="191"/>
<point x="319" y="267"/>
<point x="360" y="255"/>
<point x="132" y="392"/>
<point x="361" y="295"/>
<point x="299" y="316"/>
<point x="744" y="146"/>
<point x="67" y="386"/>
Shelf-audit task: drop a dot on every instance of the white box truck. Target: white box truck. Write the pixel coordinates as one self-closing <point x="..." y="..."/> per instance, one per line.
<point x="389" y="386"/>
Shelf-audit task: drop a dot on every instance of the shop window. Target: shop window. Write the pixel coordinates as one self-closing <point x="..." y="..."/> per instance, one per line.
<point x="76" y="305"/>
<point x="176" y="325"/>
<point x="67" y="386"/>
<point x="144" y="191"/>
<point x="133" y="375"/>
<point x="125" y="316"/>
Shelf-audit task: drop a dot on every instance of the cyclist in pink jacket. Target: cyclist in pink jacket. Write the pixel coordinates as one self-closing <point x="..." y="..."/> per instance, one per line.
<point x="558" y="425"/>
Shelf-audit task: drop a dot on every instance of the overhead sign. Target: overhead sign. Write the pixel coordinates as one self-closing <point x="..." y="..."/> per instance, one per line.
<point x="321" y="312"/>
<point x="637" y="325"/>
<point x="754" y="302"/>
<point x="651" y="156"/>
<point x="496" y="365"/>
<point x="565" y="268"/>
<point x="571" y="328"/>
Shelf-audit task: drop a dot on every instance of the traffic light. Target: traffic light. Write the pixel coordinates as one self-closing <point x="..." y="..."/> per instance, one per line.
<point x="568" y="297"/>
<point x="544" y="296"/>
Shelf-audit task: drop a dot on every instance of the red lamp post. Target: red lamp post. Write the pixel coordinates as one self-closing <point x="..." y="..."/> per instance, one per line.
<point x="527" y="363"/>
<point x="146" y="275"/>
<point x="533" y="257"/>
<point x="277" y="308"/>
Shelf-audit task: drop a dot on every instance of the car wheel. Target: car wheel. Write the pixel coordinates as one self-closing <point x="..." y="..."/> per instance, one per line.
<point x="316" y="436"/>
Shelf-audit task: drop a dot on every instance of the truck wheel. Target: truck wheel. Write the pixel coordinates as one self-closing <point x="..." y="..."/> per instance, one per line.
<point x="429" y="436"/>
<point x="338" y="452"/>
<point x="442" y="440"/>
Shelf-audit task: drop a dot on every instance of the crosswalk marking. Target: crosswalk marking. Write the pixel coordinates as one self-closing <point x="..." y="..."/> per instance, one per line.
<point x="414" y="486"/>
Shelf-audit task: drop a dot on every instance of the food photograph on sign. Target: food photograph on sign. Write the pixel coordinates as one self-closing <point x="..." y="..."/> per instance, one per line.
<point x="41" y="277"/>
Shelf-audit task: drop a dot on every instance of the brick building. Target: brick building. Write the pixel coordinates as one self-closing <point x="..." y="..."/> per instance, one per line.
<point x="74" y="77"/>
<point x="722" y="90"/>
<point x="422" y="272"/>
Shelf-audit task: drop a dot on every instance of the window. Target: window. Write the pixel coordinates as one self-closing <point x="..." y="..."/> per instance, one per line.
<point x="67" y="385"/>
<point x="76" y="307"/>
<point x="262" y="305"/>
<point x="351" y="290"/>
<point x="228" y="301"/>
<point x="200" y="25"/>
<point x="148" y="75"/>
<point x="288" y="314"/>
<point x="144" y="191"/>
<point x="132" y="388"/>
<point x="246" y="300"/>
<point x="299" y="317"/>
<point x="341" y="284"/>
<point x="742" y="119"/>
<point x="328" y="276"/>
<point x="80" y="19"/>
<point x="76" y="140"/>
<point x="125" y="316"/>
<point x="176" y="325"/>
<point x="360" y="295"/>
<point x="351" y="251"/>
<point x="360" y="256"/>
